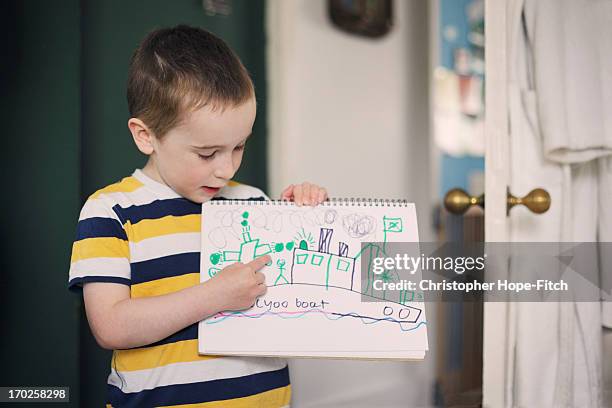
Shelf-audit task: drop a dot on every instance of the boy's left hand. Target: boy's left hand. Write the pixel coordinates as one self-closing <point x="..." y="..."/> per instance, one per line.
<point x="304" y="194"/>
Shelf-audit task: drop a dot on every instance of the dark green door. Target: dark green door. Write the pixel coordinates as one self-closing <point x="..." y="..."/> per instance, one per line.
<point x="111" y="30"/>
<point x="65" y="135"/>
<point x="40" y="105"/>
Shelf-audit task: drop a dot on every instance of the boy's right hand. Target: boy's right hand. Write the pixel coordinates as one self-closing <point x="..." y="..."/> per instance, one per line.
<point x="241" y="284"/>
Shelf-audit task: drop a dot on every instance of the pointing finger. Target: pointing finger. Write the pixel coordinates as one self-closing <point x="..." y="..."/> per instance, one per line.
<point x="258" y="263"/>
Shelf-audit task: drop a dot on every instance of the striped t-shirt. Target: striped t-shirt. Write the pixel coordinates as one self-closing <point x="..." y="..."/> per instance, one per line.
<point x="139" y="232"/>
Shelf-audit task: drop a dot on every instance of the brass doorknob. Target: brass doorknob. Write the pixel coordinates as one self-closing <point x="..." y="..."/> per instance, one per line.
<point x="538" y="201"/>
<point x="457" y="201"/>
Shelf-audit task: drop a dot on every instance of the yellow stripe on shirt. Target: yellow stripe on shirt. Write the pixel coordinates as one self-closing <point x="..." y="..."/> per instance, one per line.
<point x="126" y="185"/>
<point x="102" y="247"/>
<point x="277" y="397"/>
<point x="163" y="226"/>
<point x="152" y="357"/>
<point x="164" y="286"/>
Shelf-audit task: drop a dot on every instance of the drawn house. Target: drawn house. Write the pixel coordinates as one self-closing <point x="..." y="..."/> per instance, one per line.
<point x="321" y="267"/>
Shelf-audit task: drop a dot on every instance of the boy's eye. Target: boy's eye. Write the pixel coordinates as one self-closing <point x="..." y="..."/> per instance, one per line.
<point x="212" y="155"/>
<point x="207" y="156"/>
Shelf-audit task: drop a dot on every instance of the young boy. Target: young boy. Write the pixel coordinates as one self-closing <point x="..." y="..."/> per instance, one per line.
<point x="137" y="250"/>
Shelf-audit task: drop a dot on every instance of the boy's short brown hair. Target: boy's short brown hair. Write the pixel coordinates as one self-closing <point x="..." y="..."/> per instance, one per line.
<point x="183" y="68"/>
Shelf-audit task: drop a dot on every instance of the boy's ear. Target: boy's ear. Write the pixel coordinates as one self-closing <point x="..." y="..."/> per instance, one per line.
<point x="143" y="136"/>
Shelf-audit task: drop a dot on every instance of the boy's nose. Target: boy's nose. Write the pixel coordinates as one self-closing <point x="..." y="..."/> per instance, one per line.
<point x="225" y="168"/>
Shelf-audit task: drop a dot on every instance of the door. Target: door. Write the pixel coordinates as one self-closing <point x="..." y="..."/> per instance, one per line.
<point x="40" y="117"/>
<point x="64" y="120"/>
<point x="495" y="336"/>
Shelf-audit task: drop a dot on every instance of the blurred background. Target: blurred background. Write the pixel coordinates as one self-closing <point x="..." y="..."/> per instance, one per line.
<point x="369" y="98"/>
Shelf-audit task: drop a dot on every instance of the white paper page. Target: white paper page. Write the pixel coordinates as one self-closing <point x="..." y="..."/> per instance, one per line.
<point x="314" y="305"/>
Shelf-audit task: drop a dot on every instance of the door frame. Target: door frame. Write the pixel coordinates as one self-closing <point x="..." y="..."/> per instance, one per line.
<point x="496" y="333"/>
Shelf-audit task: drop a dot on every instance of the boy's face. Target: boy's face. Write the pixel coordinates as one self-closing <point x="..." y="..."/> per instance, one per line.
<point x="201" y="154"/>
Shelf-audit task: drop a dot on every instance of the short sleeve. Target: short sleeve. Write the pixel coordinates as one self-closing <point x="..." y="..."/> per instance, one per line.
<point x="100" y="252"/>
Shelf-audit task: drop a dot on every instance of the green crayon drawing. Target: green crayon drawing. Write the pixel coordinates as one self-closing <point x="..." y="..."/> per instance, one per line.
<point x="391" y="224"/>
<point x="281" y="269"/>
<point x="306" y="240"/>
<point x="319" y="266"/>
<point x="215" y="258"/>
<point x="327" y="273"/>
<point x="343" y="265"/>
<point x="249" y="248"/>
<point x="386" y="278"/>
<point x="316" y="260"/>
<point x="231" y="256"/>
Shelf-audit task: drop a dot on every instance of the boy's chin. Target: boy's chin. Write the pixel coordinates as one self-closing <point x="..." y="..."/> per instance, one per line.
<point x="199" y="197"/>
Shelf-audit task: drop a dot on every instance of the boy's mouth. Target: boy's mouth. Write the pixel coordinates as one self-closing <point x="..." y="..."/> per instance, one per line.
<point x="210" y="190"/>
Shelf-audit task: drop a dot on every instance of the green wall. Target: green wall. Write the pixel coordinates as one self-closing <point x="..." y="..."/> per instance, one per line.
<point x="111" y="29"/>
<point x="64" y="111"/>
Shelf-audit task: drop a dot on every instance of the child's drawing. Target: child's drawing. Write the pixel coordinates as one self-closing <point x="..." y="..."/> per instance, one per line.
<point x="315" y="273"/>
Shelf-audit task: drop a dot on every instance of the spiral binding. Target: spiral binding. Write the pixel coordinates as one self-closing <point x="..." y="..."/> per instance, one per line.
<point x="341" y="202"/>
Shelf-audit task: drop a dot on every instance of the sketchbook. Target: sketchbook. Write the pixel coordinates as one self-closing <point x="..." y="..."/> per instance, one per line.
<point x="320" y="301"/>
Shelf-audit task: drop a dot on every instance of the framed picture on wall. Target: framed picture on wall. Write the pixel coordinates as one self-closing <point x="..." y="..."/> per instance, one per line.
<point x="370" y="18"/>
